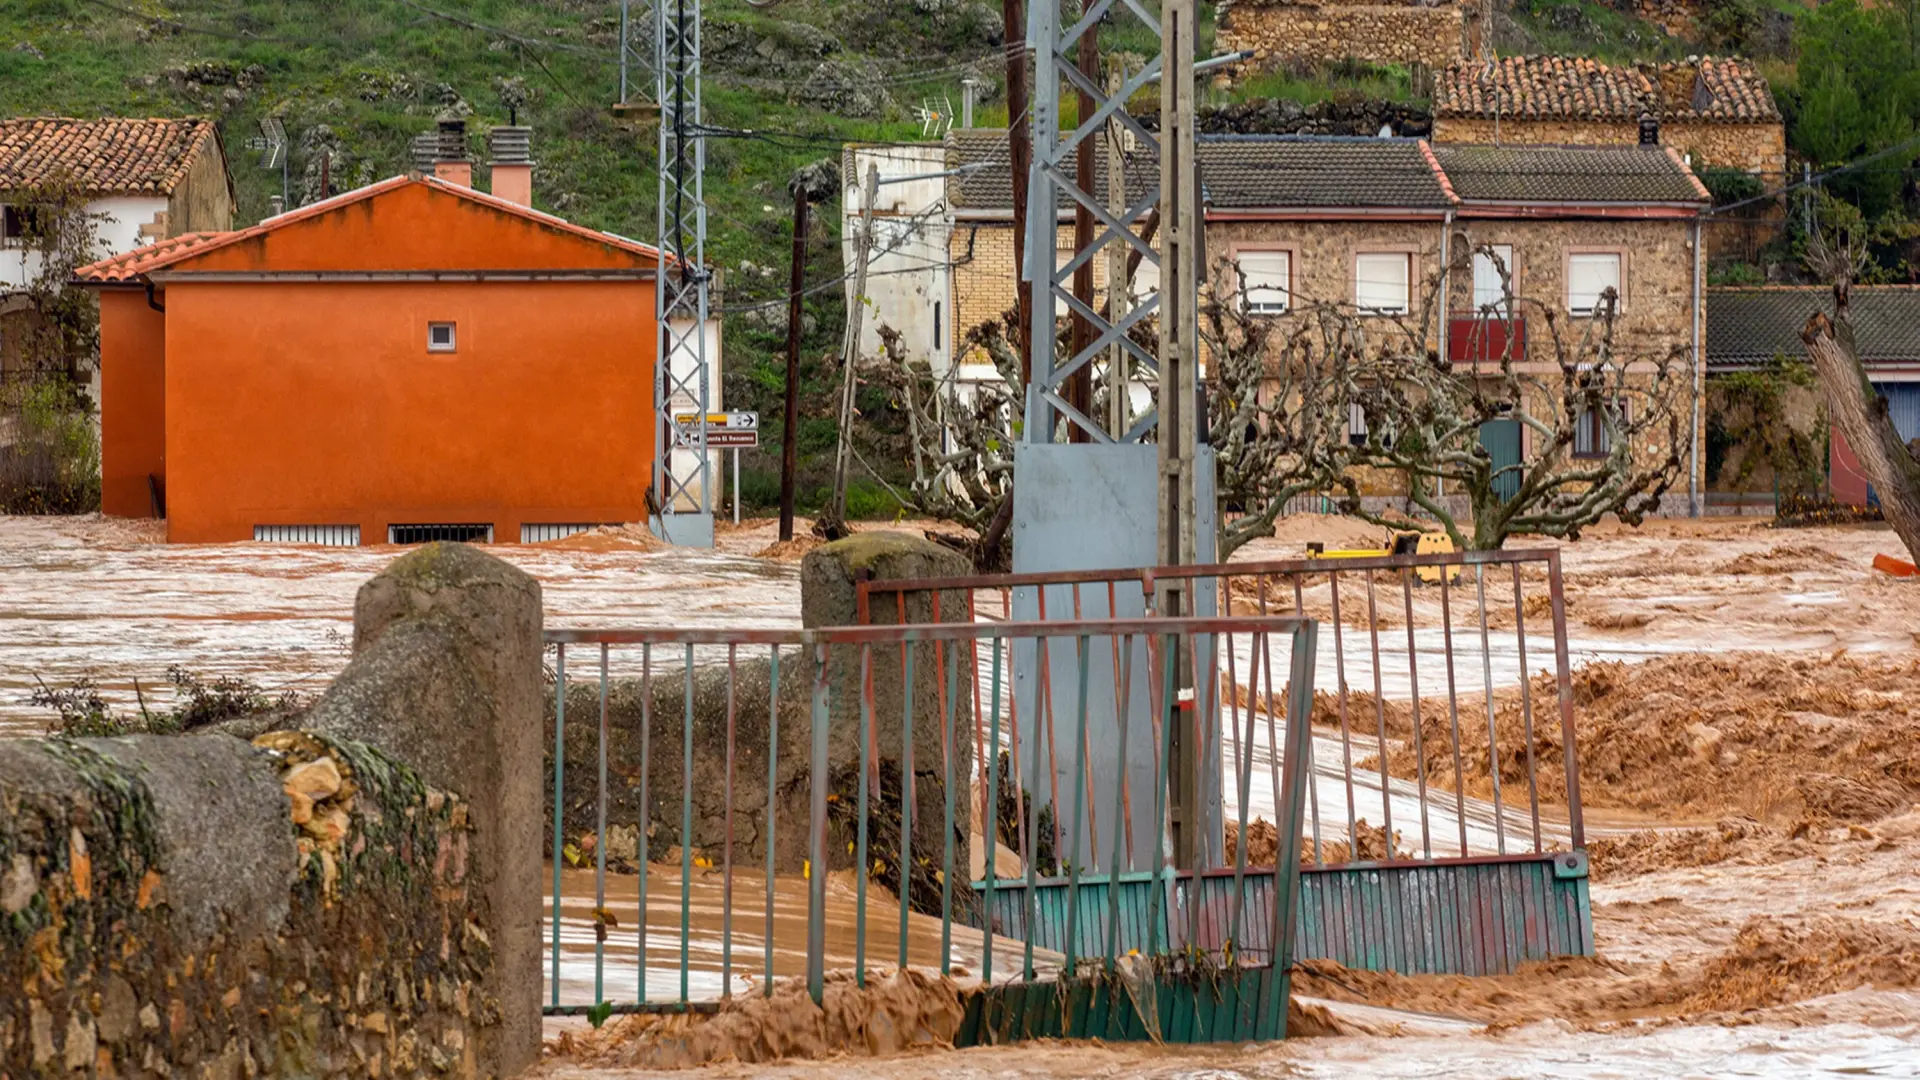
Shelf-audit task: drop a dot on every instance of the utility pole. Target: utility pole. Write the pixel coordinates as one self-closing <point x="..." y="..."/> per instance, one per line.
<point x="789" y="436"/>
<point x="1178" y="353"/>
<point x="1013" y="30"/>
<point x="869" y="195"/>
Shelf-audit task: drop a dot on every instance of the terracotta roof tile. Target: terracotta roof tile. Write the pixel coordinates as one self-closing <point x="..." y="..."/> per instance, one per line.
<point x="140" y="261"/>
<point x="130" y="265"/>
<point x="114" y="156"/>
<point x="1578" y="88"/>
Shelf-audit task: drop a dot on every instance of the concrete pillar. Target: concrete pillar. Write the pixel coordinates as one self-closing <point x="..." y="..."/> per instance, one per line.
<point x="446" y="676"/>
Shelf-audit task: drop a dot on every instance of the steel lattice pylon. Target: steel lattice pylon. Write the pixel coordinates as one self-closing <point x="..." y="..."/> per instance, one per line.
<point x="682" y="470"/>
<point x="1052" y="188"/>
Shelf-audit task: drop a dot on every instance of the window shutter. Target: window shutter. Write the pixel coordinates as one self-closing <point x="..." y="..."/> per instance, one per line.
<point x="1268" y="281"/>
<point x="1588" y="276"/>
<point x="1381" y="281"/>
<point x="1487" y="287"/>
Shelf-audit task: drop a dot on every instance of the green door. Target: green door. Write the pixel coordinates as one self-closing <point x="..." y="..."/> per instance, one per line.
<point x="1502" y="441"/>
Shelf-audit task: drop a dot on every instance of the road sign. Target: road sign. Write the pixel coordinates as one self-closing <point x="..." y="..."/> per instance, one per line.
<point x="724" y="421"/>
<point x="722" y="439"/>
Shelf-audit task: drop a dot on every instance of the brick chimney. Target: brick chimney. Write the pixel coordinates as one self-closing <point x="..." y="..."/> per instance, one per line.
<point x="451" y="162"/>
<point x="510" y="152"/>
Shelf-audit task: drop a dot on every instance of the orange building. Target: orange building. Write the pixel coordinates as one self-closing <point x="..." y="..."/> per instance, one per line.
<point x="411" y="360"/>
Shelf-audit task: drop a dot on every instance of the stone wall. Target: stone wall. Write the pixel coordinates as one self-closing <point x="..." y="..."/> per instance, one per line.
<point x="1281" y="32"/>
<point x="318" y="903"/>
<point x="1760" y="148"/>
<point x="206" y="907"/>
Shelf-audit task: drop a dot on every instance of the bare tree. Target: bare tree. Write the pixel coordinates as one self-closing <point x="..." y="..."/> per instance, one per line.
<point x="1838" y="252"/>
<point x="960" y="437"/>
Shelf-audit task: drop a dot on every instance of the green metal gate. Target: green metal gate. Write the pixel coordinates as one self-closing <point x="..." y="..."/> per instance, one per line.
<point x="1501" y="439"/>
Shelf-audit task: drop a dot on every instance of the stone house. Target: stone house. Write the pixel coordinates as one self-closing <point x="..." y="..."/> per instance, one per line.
<point x="1384" y="226"/>
<point x="1716" y="112"/>
<point x="1432" y="33"/>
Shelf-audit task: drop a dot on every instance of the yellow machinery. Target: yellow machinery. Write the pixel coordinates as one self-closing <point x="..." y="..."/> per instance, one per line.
<point x="1404" y="543"/>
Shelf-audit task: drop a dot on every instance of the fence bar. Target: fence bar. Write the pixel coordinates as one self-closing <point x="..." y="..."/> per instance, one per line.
<point x="1113" y="869"/>
<point x="646" y="809"/>
<point x="950" y="694"/>
<point x="1453" y="712"/>
<point x="559" y="812"/>
<point x="600" y="849"/>
<point x="1346" y="736"/>
<point x="726" y="856"/>
<point x="1565" y="678"/>
<point x="1526" y="705"/>
<point x="1243" y="772"/>
<point x="1380" y="714"/>
<point x="1030" y="925"/>
<point x="1162" y="885"/>
<point x="1080" y="817"/>
<point x="686" y="828"/>
<point x="1299" y="770"/>
<point x="860" y="863"/>
<point x="905" y="855"/>
<point x="1493" y="735"/>
<point x="773" y="824"/>
<point x="991" y="822"/>
<point x="1419" y="736"/>
<point x="817" y="838"/>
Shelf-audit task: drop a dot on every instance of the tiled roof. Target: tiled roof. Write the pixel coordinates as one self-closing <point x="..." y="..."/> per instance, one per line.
<point x="991" y="188"/>
<point x="1578" y="88"/>
<point x="128" y="266"/>
<point x="1237" y="172"/>
<point x="1568" y="174"/>
<point x="1748" y="326"/>
<point x="1249" y="172"/>
<point x="133" y="264"/>
<point x="111" y="157"/>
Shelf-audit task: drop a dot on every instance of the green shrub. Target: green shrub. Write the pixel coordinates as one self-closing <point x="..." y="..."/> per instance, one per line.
<point x="53" y="465"/>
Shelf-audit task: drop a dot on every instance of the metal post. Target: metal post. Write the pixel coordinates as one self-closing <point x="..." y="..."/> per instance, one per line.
<point x="1178" y="353"/>
<point x="683" y="493"/>
<point x="969" y="86"/>
<point x="736" y="485"/>
<point x="789" y="436"/>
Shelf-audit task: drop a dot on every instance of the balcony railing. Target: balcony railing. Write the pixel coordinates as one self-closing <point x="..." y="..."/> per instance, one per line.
<point x="1475" y="337"/>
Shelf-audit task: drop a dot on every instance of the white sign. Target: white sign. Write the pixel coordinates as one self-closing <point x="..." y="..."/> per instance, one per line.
<point x="724" y="421"/>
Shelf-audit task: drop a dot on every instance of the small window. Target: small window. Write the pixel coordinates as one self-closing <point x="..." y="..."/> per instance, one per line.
<point x="1591" y="439"/>
<point x="440" y="337"/>
<point x="1589" y="276"/>
<point x="1489" y="291"/>
<point x="1146" y="281"/>
<point x="320" y="535"/>
<point x="938" y="339"/>
<point x="1356" y="424"/>
<point x="1382" y="282"/>
<point x="17" y="223"/>
<point x="1267" y="280"/>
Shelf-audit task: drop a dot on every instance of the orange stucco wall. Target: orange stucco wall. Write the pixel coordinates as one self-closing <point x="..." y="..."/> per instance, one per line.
<point x="133" y="412"/>
<point x="318" y="403"/>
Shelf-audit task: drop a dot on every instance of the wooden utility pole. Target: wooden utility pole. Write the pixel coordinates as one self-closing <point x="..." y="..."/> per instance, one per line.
<point x="1861" y="415"/>
<point x="1178" y="356"/>
<point x="789" y="435"/>
<point x="1013" y="30"/>
<point x="1079" y="388"/>
<point x="856" y="307"/>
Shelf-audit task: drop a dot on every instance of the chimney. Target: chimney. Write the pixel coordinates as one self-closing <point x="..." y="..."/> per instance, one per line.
<point x="424" y="150"/>
<point x="510" y="151"/>
<point x="450" y="162"/>
<point x="1649" y="127"/>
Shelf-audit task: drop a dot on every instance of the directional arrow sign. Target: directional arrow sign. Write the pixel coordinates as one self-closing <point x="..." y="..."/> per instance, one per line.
<point x="724" y="421"/>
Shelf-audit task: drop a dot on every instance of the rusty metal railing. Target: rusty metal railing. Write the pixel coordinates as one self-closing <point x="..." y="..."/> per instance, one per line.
<point x="1462" y="792"/>
<point x="653" y="823"/>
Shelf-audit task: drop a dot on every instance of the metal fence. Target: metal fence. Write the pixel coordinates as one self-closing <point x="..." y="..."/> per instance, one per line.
<point x="771" y="796"/>
<point x="1446" y="700"/>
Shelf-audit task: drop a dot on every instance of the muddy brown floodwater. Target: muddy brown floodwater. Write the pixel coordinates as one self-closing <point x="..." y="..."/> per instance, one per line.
<point x="1763" y="922"/>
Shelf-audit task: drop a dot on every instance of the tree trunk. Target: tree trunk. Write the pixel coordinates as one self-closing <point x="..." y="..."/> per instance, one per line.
<point x="1861" y="415"/>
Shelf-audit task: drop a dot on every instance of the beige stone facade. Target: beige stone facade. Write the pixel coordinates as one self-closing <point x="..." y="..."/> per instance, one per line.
<point x="1281" y="32"/>
<point x="1758" y="147"/>
<point x="986" y="280"/>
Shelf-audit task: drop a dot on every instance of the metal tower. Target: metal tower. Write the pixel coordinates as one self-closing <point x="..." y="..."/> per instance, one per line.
<point x="682" y="471"/>
<point x="1110" y="501"/>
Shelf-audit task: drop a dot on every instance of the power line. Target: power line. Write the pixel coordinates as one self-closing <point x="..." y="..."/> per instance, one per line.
<point x="1822" y="177"/>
